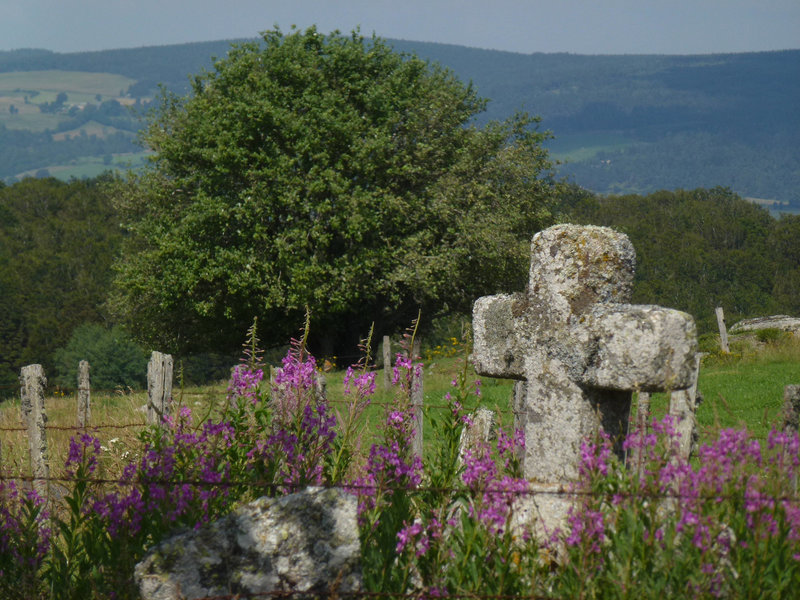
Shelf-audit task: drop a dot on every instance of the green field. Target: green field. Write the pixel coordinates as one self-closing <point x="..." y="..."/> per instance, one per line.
<point x="92" y="166"/>
<point x="744" y="388"/>
<point x="584" y="146"/>
<point x="25" y="91"/>
<point x="82" y="83"/>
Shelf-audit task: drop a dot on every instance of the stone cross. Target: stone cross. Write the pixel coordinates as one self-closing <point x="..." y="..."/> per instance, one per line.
<point x="578" y="346"/>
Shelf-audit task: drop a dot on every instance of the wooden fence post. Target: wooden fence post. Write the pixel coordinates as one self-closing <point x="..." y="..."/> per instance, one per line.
<point x="32" y="384"/>
<point x="159" y="387"/>
<point x="387" y="363"/>
<point x="84" y="394"/>
<point x="417" y="395"/>
<point x="723" y="330"/>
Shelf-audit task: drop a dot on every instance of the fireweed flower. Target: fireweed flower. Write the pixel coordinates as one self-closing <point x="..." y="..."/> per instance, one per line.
<point x="180" y="478"/>
<point x="245" y="383"/>
<point x="493" y="495"/>
<point x="405" y="372"/>
<point x="17" y="555"/>
<point x="303" y="429"/>
<point x="595" y="456"/>
<point x="363" y="384"/>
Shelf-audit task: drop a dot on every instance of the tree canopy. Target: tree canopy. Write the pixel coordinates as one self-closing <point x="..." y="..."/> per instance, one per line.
<point x="699" y="249"/>
<point x="57" y="243"/>
<point x="328" y="172"/>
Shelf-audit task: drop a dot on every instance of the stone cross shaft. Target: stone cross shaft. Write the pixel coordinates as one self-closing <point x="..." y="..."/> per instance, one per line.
<point x="578" y="346"/>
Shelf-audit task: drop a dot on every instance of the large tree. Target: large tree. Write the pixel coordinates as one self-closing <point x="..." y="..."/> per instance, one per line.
<point x="328" y="172"/>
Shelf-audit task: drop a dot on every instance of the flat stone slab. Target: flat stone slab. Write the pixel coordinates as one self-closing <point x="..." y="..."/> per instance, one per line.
<point x="305" y="544"/>
<point x="782" y="322"/>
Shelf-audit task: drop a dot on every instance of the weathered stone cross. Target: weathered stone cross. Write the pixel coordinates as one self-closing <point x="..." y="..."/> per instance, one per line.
<point x="579" y="347"/>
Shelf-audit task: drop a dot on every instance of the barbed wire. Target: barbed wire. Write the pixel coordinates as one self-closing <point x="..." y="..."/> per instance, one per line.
<point x="334" y="593"/>
<point x="81" y="428"/>
<point x="562" y="490"/>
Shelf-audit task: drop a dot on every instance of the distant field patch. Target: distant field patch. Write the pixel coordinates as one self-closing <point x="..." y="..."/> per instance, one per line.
<point x="92" y="166"/>
<point x="78" y="82"/>
<point x="584" y="146"/>
<point x="91" y="128"/>
<point x="775" y="207"/>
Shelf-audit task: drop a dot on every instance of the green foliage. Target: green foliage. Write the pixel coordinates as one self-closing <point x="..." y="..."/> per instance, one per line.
<point x="115" y="360"/>
<point x="57" y="242"/>
<point x="767" y="336"/>
<point x="784" y="245"/>
<point x="700" y="249"/>
<point x="329" y="172"/>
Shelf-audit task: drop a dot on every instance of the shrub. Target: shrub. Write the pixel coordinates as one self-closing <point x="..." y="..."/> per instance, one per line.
<point x="114" y="359"/>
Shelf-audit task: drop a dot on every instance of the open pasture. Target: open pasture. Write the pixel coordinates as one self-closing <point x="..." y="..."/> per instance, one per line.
<point x="91" y="166"/>
<point x="576" y="147"/>
<point x="23" y="83"/>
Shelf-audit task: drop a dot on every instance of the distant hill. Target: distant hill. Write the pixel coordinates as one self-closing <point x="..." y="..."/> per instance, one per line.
<point x="622" y="123"/>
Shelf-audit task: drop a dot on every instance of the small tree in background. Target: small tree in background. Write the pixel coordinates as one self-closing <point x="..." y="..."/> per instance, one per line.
<point x="115" y="360"/>
<point x="330" y="172"/>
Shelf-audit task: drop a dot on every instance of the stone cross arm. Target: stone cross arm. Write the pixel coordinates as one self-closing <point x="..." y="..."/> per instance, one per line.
<point x="614" y="346"/>
<point x="637" y="347"/>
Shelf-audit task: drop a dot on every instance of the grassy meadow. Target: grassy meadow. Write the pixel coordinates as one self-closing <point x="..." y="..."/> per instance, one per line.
<point x="84" y="85"/>
<point x="27" y="90"/>
<point x="577" y="147"/>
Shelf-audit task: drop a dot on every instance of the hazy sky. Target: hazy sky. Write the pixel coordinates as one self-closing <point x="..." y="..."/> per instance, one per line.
<point x="578" y="26"/>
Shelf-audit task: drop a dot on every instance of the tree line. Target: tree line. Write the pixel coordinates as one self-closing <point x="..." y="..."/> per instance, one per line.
<point x="696" y="249"/>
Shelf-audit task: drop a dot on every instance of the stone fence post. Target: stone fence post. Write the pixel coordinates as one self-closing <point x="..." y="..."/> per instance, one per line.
<point x="32" y="385"/>
<point x="84" y="394"/>
<point x="159" y="387"/>
<point x="683" y="406"/>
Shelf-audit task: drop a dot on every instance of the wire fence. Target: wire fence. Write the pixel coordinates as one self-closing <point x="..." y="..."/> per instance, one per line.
<point x="559" y="490"/>
<point x="333" y="593"/>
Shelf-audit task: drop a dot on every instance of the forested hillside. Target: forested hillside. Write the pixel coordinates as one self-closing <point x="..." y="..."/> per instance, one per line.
<point x="699" y="249"/>
<point x="57" y="243"/>
<point x="623" y="124"/>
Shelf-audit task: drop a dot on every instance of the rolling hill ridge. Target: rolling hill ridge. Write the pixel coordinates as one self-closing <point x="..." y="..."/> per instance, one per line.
<point x="621" y="124"/>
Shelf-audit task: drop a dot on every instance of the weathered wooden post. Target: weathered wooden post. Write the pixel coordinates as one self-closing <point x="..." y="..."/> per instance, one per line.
<point x="417" y="395"/>
<point x="387" y="363"/>
<point x="84" y="394"/>
<point x="32" y="384"/>
<point x="159" y="387"/>
<point x="723" y="330"/>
